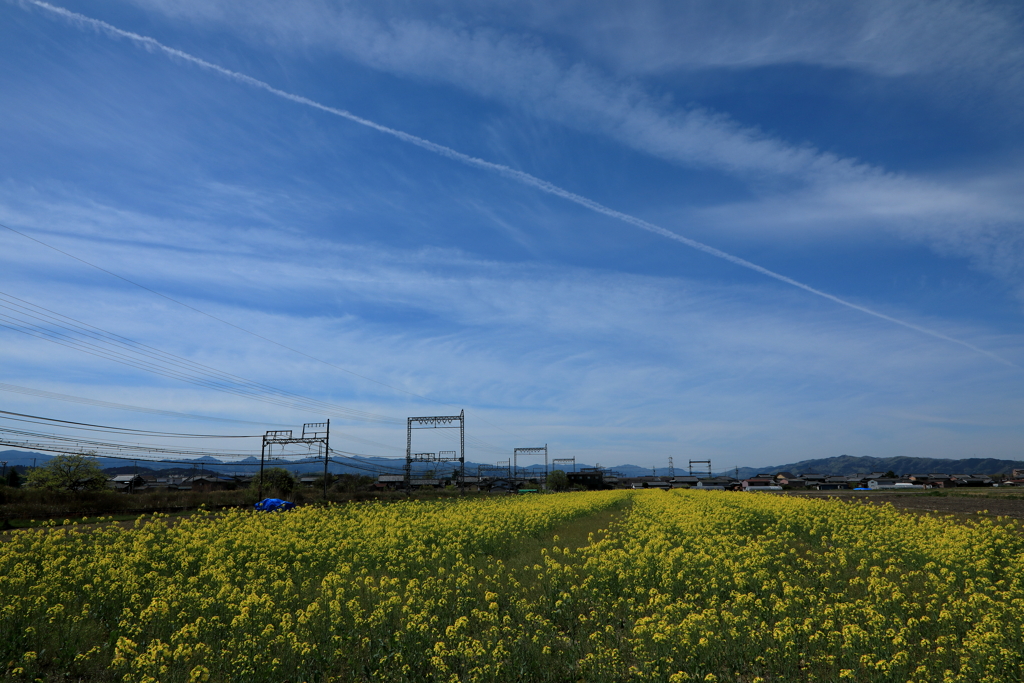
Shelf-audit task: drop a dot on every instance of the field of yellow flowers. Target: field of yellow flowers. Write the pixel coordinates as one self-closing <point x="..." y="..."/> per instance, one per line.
<point x="679" y="586"/>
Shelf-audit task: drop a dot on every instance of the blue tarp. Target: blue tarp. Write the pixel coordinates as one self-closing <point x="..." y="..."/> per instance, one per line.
<point x="273" y="505"/>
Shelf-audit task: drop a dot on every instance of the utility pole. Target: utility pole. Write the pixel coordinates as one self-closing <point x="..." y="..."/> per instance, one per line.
<point x="259" y="486"/>
<point x="4" y="475"/>
<point x="327" y="455"/>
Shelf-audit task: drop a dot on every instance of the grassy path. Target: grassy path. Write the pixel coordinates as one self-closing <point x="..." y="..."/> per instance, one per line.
<point x="573" y="535"/>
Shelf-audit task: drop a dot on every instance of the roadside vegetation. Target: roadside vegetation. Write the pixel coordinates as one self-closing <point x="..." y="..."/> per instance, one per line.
<point x="72" y="486"/>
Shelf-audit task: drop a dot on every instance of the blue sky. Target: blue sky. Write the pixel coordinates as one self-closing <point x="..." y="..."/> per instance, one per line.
<point x="869" y="150"/>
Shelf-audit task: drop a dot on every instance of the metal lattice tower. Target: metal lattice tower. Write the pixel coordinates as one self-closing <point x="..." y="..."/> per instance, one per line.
<point x="318" y="433"/>
<point x="700" y="462"/>
<point x="437" y="422"/>
<point x="530" y="451"/>
<point x="565" y="461"/>
<point x="671" y="468"/>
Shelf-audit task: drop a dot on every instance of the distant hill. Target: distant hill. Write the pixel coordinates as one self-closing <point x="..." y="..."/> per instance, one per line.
<point x="849" y="464"/>
<point x="844" y="464"/>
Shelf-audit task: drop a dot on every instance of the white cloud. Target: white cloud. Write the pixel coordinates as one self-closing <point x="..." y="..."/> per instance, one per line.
<point x="599" y="363"/>
<point x="798" y="189"/>
<point x="890" y="37"/>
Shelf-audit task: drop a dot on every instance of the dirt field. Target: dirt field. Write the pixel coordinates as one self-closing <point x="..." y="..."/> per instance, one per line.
<point x="967" y="504"/>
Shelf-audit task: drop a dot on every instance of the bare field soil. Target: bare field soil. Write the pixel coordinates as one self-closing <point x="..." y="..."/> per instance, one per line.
<point x="966" y="503"/>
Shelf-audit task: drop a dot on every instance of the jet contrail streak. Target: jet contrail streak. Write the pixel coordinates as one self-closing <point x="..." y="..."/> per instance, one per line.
<point x="500" y="169"/>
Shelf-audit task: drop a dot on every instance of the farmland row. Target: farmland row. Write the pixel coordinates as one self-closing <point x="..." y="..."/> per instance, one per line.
<point x="680" y="586"/>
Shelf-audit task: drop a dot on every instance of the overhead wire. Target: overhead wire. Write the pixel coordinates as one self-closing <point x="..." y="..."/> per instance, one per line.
<point x="98" y="342"/>
<point x="27" y="391"/>
<point x="61" y="321"/>
<point x="119" y="446"/>
<point x="36" y="419"/>
<point x="64" y="443"/>
<point x="238" y="327"/>
<point x="208" y="377"/>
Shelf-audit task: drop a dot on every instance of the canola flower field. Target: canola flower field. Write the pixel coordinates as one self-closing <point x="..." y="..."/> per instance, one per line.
<point x="674" y="586"/>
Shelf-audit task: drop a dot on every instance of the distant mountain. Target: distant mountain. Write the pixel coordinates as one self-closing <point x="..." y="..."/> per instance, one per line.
<point x="849" y="464"/>
<point x="25" y="458"/>
<point x="844" y="464"/>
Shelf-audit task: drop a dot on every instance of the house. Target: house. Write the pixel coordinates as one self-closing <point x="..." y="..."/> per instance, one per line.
<point x="829" y="484"/>
<point x="684" y="481"/>
<point x="876" y="484"/>
<point x="590" y="480"/>
<point x="127" y="483"/>
<point x="389" y="481"/>
<point x="862" y="479"/>
<point x="784" y="475"/>
<point x="715" y="484"/>
<point x="972" y="480"/>
<point x="934" y="480"/>
<point x="211" y="482"/>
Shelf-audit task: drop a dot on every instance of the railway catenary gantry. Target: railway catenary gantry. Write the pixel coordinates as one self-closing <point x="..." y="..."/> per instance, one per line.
<point x="313" y="433"/>
<point x="536" y="450"/>
<point x="565" y="461"/>
<point x="437" y="422"/>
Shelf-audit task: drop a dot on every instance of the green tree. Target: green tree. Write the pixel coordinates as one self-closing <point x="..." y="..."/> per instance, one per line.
<point x="275" y="479"/>
<point x="69" y="473"/>
<point x="890" y="474"/>
<point x="558" y="480"/>
<point x="13" y="478"/>
<point x="351" y="482"/>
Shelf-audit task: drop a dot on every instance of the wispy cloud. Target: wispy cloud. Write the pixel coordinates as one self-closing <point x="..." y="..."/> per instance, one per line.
<point x="507" y="172"/>
<point x="600" y="364"/>
<point x="507" y="57"/>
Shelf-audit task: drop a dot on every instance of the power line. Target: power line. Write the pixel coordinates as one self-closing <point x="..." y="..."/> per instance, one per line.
<point x="351" y="460"/>
<point x="13" y="388"/>
<point x="237" y="327"/>
<point x="120" y="349"/>
<point x="123" y="350"/>
<point x="66" y="442"/>
<point x="99" y="342"/>
<point x="36" y="419"/>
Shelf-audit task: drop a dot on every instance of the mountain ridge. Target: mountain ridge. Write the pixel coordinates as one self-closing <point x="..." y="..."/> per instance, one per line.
<point x="900" y="465"/>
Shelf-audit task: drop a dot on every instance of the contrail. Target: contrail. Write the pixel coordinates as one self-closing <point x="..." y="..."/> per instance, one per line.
<point x="500" y="169"/>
